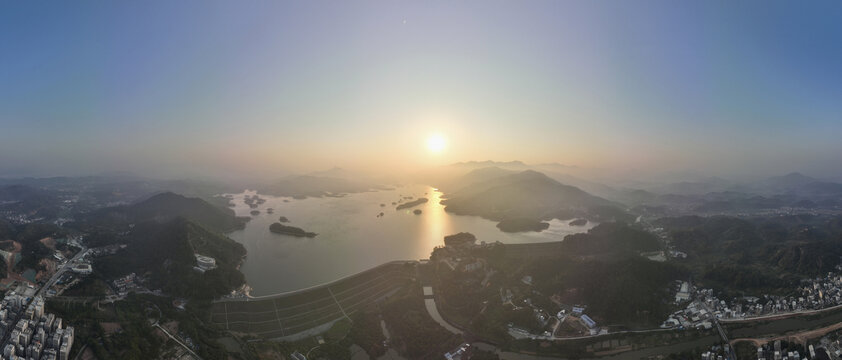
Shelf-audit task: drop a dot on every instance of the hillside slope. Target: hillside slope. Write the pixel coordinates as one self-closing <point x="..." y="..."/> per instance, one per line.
<point x="167" y="206"/>
<point x="527" y="195"/>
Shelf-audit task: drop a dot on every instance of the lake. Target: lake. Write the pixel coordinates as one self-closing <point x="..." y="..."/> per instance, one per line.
<point x="352" y="238"/>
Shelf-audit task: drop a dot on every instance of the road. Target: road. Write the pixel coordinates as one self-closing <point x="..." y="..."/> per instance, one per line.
<point x="177" y="341"/>
<point x="781" y="315"/>
<point x="68" y="265"/>
<point x="722" y="334"/>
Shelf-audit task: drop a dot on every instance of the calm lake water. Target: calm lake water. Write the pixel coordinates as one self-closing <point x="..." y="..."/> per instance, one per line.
<point x="352" y="238"/>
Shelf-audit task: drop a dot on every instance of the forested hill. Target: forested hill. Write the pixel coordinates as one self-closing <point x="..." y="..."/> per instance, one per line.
<point x="529" y="195"/>
<point x="166" y="252"/>
<point x="167" y="206"/>
<point x="610" y="238"/>
<point x="757" y="252"/>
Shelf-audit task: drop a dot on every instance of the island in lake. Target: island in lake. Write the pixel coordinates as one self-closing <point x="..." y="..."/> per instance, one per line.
<point x="417" y="211"/>
<point x="279" y="228"/>
<point x="283" y="219"/>
<point x="410" y="204"/>
<point x="255" y="212"/>
<point x="579" y="222"/>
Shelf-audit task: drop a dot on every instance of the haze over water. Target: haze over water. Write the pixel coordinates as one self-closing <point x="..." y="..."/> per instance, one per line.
<point x="352" y="238"/>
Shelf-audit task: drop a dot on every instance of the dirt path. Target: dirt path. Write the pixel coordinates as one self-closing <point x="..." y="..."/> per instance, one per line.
<point x="800" y="337"/>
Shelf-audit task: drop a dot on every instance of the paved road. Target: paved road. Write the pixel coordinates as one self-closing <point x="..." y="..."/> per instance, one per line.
<point x="68" y="265"/>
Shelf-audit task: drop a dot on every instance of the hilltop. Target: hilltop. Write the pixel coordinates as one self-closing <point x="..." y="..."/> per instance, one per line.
<point x="167" y="206"/>
<point x="166" y="252"/>
<point x="524" y="195"/>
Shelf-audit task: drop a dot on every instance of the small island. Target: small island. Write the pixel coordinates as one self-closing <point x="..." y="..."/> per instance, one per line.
<point x="270" y="210"/>
<point x="410" y="204"/>
<point x="255" y="212"/>
<point x="522" y="224"/>
<point x="417" y="211"/>
<point x="579" y="222"/>
<point x="279" y="228"/>
<point x="283" y="219"/>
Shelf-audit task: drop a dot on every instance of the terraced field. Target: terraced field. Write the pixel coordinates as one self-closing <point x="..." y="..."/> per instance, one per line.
<point x="287" y="314"/>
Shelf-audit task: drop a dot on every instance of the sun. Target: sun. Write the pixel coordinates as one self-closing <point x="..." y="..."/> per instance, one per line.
<point x="436" y="143"/>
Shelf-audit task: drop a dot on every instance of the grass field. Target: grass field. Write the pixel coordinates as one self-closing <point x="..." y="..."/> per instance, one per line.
<point x="287" y="314"/>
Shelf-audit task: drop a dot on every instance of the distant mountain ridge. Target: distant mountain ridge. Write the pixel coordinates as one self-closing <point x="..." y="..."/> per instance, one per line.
<point x="301" y="186"/>
<point x="29" y="199"/>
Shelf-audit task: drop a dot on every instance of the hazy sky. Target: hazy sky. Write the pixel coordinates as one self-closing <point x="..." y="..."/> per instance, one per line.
<point x="170" y="87"/>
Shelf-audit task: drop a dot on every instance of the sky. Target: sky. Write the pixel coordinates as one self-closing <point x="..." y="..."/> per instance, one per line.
<point x="269" y="87"/>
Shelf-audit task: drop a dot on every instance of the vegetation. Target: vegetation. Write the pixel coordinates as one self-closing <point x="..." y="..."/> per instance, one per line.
<point x="522" y="224"/>
<point x="165" y="251"/>
<point x="412" y="203"/>
<point x="167" y="206"/>
<point x="130" y="334"/>
<point x="279" y="228"/>
<point x="528" y="194"/>
<point x="610" y="237"/>
<point x="29" y="236"/>
<point x="91" y="286"/>
<point x="757" y="254"/>
<point x="461" y="238"/>
<point x="34" y="201"/>
<point x="367" y="333"/>
<point x="412" y="329"/>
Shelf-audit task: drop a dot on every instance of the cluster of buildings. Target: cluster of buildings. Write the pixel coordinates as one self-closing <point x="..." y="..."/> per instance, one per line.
<point x="31" y="334"/>
<point x="814" y="294"/>
<point x="106" y="250"/>
<point x="828" y="347"/>
<point x="778" y="352"/>
<point x="824" y="291"/>
<point x="126" y="284"/>
<point x="717" y="353"/>
<point x="698" y="313"/>
<point x="18" y="218"/>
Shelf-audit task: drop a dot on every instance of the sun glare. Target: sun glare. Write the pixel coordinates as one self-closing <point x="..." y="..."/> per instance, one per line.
<point x="435" y="143"/>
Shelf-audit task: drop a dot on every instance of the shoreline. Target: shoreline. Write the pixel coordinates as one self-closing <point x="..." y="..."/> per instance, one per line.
<point x="469" y="223"/>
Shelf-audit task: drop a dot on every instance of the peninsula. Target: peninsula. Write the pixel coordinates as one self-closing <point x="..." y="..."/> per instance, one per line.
<point x="522" y="224"/>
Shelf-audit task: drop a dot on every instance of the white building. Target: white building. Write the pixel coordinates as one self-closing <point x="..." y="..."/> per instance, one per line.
<point x="82" y="268"/>
<point x="205" y="263"/>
